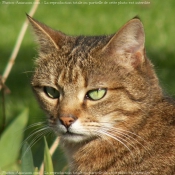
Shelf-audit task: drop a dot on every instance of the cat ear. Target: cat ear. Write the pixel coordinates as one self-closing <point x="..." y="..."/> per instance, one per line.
<point x="46" y="36"/>
<point x="128" y="43"/>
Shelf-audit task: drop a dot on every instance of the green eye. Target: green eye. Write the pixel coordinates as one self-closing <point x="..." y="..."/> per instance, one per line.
<point x="51" y="92"/>
<point x="96" y="94"/>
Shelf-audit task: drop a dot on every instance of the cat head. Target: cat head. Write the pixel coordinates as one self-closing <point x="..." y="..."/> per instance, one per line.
<point x="89" y="84"/>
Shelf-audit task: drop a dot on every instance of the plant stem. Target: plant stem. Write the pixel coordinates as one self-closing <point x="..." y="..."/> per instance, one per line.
<point x="18" y="45"/>
<point x="3" y="113"/>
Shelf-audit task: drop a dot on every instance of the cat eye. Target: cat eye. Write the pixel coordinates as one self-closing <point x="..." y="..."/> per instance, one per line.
<point x="96" y="94"/>
<point x="51" y="92"/>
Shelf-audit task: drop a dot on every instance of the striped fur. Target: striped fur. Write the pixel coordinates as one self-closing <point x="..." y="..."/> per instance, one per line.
<point x="131" y="130"/>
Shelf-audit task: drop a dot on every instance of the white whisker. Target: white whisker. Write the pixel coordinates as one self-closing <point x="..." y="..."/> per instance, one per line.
<point x="38" y="135"/>
<point x="34" y="125"/>
<point x="129" y="137"/>
<point x="34" y="132"/>
<point x="102" y="131"/>
<point x="128" y="132"/>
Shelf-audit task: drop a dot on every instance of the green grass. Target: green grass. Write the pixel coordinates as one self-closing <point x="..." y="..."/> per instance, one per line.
<point x="159" y="26"/>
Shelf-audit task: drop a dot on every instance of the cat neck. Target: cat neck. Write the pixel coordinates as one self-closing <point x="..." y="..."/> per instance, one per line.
<point x="101" y="156"/>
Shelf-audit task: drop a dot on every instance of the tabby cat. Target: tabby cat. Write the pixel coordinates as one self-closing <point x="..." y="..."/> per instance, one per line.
<point x="103" y="98"/>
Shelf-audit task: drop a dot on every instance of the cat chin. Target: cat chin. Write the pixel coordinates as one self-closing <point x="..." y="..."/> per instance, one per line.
<point x="74" y="138"/>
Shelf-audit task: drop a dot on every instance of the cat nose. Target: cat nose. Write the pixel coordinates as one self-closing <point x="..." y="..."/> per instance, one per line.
<point x="67" y="120"/>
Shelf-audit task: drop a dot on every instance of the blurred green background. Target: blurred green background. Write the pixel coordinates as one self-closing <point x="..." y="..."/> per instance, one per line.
<point x="98" y="19"/>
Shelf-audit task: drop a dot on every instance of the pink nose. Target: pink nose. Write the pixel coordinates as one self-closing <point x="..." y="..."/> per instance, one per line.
<point x="67" y="120"/>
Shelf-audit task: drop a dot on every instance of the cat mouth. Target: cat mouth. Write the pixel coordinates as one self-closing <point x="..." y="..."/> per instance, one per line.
<point x="68" y="133"/>
<point x="74" y="137"/>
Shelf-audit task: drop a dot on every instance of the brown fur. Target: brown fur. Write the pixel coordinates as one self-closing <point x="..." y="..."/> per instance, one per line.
<point x="131" y="129"/>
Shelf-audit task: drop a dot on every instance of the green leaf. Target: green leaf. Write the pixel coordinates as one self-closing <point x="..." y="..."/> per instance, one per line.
<point x="48" y="166"/>
<point x="27" y="159"/>
<point x="10" y="141"/>
<point x="36" y="172"/>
